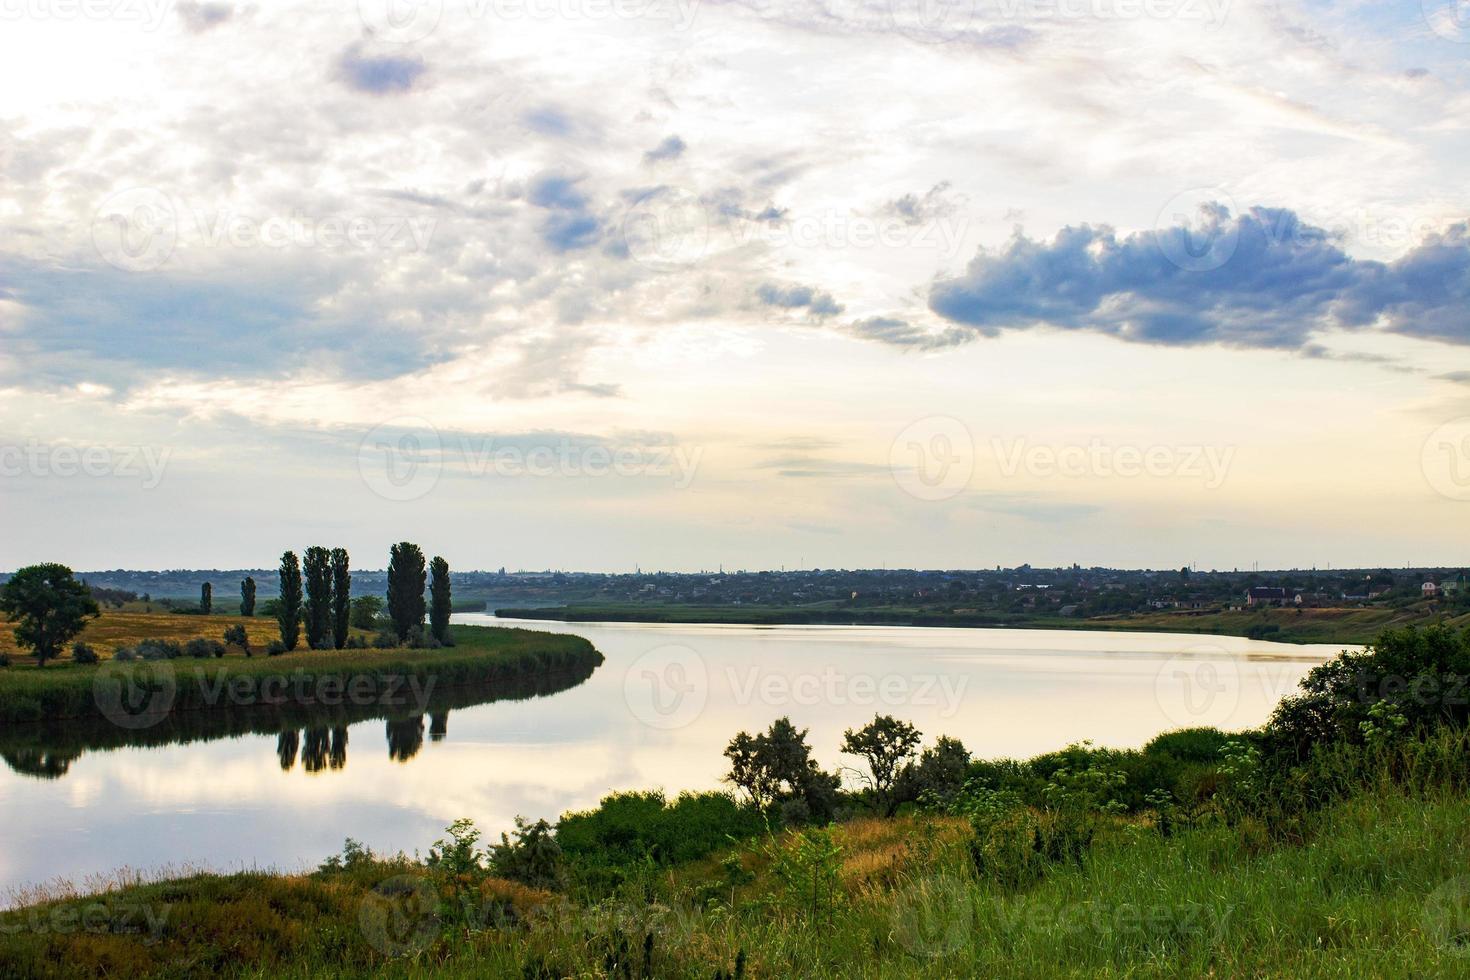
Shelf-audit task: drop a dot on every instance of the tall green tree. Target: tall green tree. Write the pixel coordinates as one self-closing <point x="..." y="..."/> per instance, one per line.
<point x="48" y="606"/>
<point x="887" y="744"/>
<point x="316" y="567"/>
<point x="341" y="597"/>
<point x="247" y="597"/>
<point x="406" y="579"/>
<point x="440" y="605"/>
<point x="365" y="609"/>
<point x="288" y="607"/>
<point x="206" y="598"/>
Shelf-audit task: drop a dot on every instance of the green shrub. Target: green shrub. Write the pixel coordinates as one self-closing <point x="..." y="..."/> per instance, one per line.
<point x="124" y="654"/>
<point x="160" y="650"/>
<point x="275" y="648"/>
<point x="4" y="660"/>
<point x="84" y="654"/>
<point x="200" y="648"/>
<point x="534" y="858"/>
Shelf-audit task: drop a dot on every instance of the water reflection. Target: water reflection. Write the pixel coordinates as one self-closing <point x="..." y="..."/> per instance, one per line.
<point x="314" y="735"/>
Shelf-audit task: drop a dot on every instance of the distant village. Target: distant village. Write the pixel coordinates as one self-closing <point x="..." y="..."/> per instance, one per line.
<point x="1062" y="592"/>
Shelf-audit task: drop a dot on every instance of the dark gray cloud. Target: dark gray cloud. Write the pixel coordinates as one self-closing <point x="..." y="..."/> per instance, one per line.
<point x="379" y="74"/>
<point x="815" y="301"/>
<point x="671" y="148"/>
<point x="1260" y="279"/>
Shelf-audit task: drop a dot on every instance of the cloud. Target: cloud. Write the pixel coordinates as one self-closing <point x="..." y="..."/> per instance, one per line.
<point x="798" y="297"/>
<point x="570" y="225"/>
<point x="901" y="333"/>
<point x="1261" y="279"/>
<point x="378" y="74"/>
<point x="914" y="209"/>
<point x="548" y="121"/>
<point x="671" y="148"/>
<point x="200" y="17"/>
<point x="1457" y="377"/>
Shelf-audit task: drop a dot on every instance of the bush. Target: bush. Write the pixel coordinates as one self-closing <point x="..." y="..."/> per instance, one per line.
<point x="83" y="654"/>
<point x="4" y="660"/>
<point x="159" y="650"/>
<point x="420" y="639"/>
<point x="275" y="648"/>
<point x="534" y="858"/>
<point x="236" y="636"/>
<point x="124" y="654"/>
<point x="634" y="828"/>
<point x="200" y="648"/>
<point x="385" y="640"/>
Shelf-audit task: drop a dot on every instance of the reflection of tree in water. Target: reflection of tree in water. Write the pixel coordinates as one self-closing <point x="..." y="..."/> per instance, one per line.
<point x="405" y="738"/>
<point x="338" y="752"/>
<point x="314" y="746"/>
<point x="287" y="743"/>
<point x="438" y="726"/>
<point x="43" y="763"/>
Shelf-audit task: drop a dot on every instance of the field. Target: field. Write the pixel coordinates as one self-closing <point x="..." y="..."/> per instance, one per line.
<point x="64" y="689"/>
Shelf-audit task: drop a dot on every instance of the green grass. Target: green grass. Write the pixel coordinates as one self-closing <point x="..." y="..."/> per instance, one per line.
<point x="481" y="655"/>
<point x="1373" y="891"/>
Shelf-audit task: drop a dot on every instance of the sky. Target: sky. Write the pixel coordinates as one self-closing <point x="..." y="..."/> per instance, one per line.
<point x="676" y="284"/>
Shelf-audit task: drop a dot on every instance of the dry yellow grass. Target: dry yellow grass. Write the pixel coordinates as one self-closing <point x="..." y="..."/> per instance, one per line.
<point x="121" y="629"/>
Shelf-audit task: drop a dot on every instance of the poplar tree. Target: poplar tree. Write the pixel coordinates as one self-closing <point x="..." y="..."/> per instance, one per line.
<point x="247" y="597"/>
<point x="206" y="598"/>
<point x="317" y="570"/>
<point x="440" y="605"/>
<point x="406" y="580"/>
<point x="288" y="612"/>
<point x="341" y="597"/>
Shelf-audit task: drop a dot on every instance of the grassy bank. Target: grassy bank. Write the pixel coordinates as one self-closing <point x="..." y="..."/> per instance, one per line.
<point x="1355" y="626"/>
<point x="66" y="690"/>
<point x="1370" y="888"/>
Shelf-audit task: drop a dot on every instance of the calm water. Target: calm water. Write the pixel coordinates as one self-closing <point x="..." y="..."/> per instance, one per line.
<point x="239" y="792"/>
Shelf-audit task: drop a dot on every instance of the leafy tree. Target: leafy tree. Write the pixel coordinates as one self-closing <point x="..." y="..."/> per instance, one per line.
<point x="776" y="768"/>
<point x="236" y="636"/>
<point x="365" y="609"/>
<point x="887" y="744"/>
<point x="939" y="775"/>
<point x="288" y="606"/>
<point x="406" y="579"/>
<point x="440" y="605"/>
<point x="247" y="597"/>
<point x="341" y="597"/>
<point x="49" y="607"/>
<point x="534" y="858"/>
<point x="206" y="599"/>
<point x="317" y="568"/>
